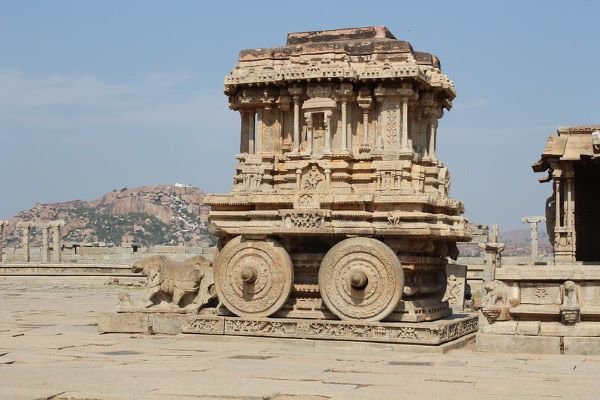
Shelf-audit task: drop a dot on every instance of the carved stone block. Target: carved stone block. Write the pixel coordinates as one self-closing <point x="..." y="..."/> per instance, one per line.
<point x="540" y="293"/>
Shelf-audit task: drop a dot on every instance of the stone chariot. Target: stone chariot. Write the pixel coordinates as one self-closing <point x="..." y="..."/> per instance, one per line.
<point x="339" y="207"/>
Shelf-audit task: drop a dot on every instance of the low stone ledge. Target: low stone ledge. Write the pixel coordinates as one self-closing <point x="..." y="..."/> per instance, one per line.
<point x="491" y="343"/>
<point x="582" y="346"/>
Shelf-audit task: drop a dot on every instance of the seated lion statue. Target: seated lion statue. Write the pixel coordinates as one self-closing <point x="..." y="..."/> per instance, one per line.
<point x="177" y="280"/>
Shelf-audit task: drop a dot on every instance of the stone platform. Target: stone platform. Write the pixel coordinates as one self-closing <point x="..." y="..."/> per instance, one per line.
<point x="539" y="337"/>
<point x="425" y="333"/>
<point x="50" y="348"/>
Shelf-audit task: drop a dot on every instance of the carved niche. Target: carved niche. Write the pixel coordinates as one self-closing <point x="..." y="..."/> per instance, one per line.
<point x="313" y="178"/>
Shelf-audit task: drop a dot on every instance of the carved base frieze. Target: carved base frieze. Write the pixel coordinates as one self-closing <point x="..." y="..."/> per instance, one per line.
<point x="426" y="333"/>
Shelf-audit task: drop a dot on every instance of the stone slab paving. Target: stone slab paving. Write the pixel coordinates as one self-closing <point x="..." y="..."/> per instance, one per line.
<point x="50" y="349"/>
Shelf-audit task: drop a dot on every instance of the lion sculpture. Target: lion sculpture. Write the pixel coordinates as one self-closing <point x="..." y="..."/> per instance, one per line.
<point x="177" y="281"/>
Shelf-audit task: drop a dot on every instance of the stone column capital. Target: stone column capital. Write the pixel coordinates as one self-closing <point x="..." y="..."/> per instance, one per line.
<point x="533" y="220"/>
<point x="56" y="224"/>
<point x="24" y="225"/>
<point x="296" y="91"/>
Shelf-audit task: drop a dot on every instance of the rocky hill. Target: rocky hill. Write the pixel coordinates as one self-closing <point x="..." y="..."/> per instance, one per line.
<point x="149" y="215"/>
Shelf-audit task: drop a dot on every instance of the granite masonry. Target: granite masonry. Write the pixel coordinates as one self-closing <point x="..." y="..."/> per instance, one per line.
<point x="554" y="308"/>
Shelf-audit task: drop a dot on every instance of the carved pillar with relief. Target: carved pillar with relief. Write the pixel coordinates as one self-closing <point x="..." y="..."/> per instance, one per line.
<point x="296" y="93"/>
<point x="344" y="95"/>
<point x="364" y="102"/>
<point x="569" y="206"/>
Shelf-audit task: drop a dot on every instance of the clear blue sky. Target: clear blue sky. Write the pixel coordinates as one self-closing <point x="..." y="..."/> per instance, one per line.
<point x="100" y="95"/>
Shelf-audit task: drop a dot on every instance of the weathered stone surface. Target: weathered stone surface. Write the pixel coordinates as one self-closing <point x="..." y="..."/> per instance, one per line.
<point x="583" y="329"/>
<point x="123" y="323"/>
<point x="168" y="324"/>
<point x="517" y="344"/>
<point x="528" y="328"/>
<point x="59" y="353"/>
<point x="582" y="345"/>
<point x="500" y="328"/>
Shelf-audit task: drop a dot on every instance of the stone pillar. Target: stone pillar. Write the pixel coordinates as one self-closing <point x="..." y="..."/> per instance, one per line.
<point x="327" y="122"/>
<point x="432" y="138"/>
<point x="298" y="179"/>
<point x="570" y="203"/>
<point x="258" y="130"/>
<point x="2" y="225"/>
<point x="533" y="222"/>
<point x="45" y="247"/>
<point x="56" y="243"/>
<point x="251" y="131"/>
<point x="25" y="230"/>
<point x="349" y="127"/>
<point x="344" y="144"/>
<point x="404" y="132"/>
<point x="309" y="132"/>
<point x="364" y="147"/>
<point x="296" y="147"/>
<point x="243" y="131"/>
<point x="327" y="178"/>
<point x="364" y="102"/>
<point x="557" y="192"/>
<point x="492" y="255"/>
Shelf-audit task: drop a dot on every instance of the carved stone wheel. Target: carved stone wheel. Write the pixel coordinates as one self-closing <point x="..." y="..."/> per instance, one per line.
<point x="361" y="279"/>
<point x="253" y="278"/>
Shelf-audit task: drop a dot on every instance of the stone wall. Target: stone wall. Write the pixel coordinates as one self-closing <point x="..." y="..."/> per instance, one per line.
<point x="106" y="255"/>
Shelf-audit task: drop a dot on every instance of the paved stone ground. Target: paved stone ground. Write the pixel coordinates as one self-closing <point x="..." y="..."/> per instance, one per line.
<point x="50" y="349"/>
